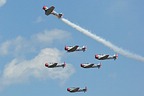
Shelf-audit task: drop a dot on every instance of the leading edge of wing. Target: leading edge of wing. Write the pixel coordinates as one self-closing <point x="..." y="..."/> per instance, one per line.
<point x="73" y="49"/>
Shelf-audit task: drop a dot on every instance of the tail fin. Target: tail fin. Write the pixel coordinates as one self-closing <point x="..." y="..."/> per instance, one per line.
<point x="85" y="89"/>
<point x="115" y="56"/>
<point x="60" y="15"/>
<point x="84" y="48"/>
<point x="99" y="65"/>
<point x="64" y="65"/>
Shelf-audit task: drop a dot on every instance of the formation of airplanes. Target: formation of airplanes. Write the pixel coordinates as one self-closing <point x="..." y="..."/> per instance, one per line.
<point x="49" y="11"/>
<point x="76" y="89"/>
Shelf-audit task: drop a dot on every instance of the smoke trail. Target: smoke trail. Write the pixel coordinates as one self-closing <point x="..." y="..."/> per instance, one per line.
<point x="105" y="42"/>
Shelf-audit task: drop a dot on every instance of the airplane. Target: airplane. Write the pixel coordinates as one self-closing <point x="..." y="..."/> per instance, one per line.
<point x="91" y="65"/>
<point x="50" y="10"/>
<point x="75" y="48"/>
<point x="53" y="65"/>
<point x="105" y="56"/>
<point x="76" y="89"/>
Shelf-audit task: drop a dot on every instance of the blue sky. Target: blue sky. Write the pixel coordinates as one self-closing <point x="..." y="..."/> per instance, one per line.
<point x="29" y="38"/>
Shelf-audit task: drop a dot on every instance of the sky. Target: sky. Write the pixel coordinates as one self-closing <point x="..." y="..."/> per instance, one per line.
<point x="29" y="39"/>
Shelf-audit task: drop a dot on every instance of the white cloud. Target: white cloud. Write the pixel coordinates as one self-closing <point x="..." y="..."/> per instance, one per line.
<point x="14" y="46"/>
<point x="2" y="2"/>
<point x="51" y="36"/>
<point x="18" y="71"/>
<point x="39" y="40"/>
<point x="4" y="48"/>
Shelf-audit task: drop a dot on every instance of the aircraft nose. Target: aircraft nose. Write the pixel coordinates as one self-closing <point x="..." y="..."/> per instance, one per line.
<point x="46" y="64"/>
<point x="66" y="48"/>
<point x="81" y="65"/>
<point x="44" y="7"/>
<point x="68" y="89"/>
<point x="96" y="56"/>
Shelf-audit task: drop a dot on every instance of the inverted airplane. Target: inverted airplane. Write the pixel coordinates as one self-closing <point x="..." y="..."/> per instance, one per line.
<point x="105" y="56"/>
<point x="91" y="65"/>
<point x="76" y="89"/>
<point x="53" y="65"/>
<point x="75" y="48"/>
<point x="50" y="10"/>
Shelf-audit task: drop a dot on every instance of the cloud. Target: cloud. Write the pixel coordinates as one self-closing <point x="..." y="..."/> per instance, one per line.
<point x="39" y="40"/>
<point x="18" y="71"/>
<point x="51" y="36"/>
<point x="4" y="48"/>
<point x="10" y="46"/>
<point x="2" y="2"/>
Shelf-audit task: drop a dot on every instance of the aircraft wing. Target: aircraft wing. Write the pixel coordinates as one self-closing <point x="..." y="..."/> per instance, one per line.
<point x="90" y="65"/>
<point x="73" y="48"/>
<point x="104" y="57"/>
<point x="49" y="10"/>
<point x="53" y="65"/>
<point x="75" y="89"/>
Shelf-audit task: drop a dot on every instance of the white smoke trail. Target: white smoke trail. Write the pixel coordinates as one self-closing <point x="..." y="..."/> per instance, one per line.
<point x="105" y="42"/>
